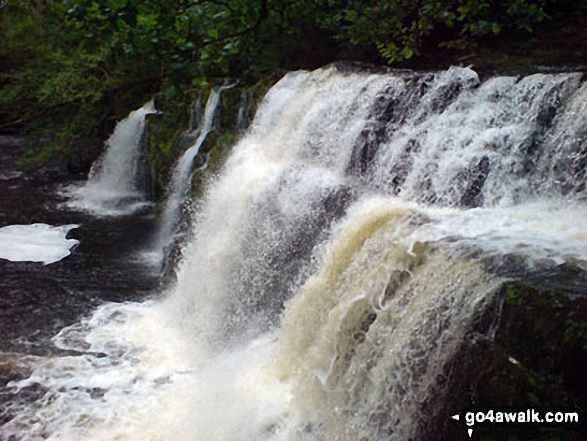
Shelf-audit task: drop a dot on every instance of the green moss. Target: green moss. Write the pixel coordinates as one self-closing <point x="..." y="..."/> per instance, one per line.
<point x="45" y="153"/>
<point x="514" y="296"/>
<point x="217" y="145"/>
<point x="165" y="132"/>
<point x="537" y="359"/>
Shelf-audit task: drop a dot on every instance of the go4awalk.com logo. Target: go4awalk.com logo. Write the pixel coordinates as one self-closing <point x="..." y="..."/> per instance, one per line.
<point x="518" y="418"/>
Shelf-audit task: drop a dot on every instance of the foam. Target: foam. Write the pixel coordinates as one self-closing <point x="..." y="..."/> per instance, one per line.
<point x="36" y="243"/>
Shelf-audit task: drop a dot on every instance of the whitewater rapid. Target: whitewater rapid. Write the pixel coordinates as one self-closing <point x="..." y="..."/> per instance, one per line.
<point x="181" y="179"/>
<point x="339" y="262"/>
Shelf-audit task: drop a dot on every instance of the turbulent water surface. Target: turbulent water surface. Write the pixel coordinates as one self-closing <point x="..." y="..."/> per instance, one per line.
<point x="38" y="300"/>
<point x="116" y="183"/>
<point x="339" y="262"/>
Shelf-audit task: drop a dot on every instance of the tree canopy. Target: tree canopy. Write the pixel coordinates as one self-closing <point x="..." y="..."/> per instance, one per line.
<point x="83" y="54"/>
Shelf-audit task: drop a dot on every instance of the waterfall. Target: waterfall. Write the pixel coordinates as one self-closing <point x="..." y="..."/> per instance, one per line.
<point x="180" y="183"/>
<point x="348" y="253"/>
<point x="346" y="222"/>
<point x="241" y="118"/>
<point x="114" y="184"/>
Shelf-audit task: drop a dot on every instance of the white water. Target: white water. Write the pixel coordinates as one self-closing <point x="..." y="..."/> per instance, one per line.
<point x="332" y="275"/>
<point x="113" y="187"/>
<point x="35" y="243"/>
<point x="181" y="178"/>
<point x="241" y="118"/>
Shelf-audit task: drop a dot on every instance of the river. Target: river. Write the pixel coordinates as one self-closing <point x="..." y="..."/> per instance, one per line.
<point x="38" y="300"/>
<point x="358" y="239"/>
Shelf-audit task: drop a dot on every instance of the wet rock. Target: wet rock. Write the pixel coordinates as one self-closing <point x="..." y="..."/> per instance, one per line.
<point x="537" y="359"/>
<point x="82" y="154"/>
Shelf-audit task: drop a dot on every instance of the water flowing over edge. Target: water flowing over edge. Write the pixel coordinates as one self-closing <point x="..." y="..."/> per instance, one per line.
<point x="339" y="262"/>
<point x="114" y="184"/>
<point x="180" y="183"/>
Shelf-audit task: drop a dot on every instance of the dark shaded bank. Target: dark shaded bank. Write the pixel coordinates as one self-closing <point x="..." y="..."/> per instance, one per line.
<point x="37" y="301"/>
<point x="535" y="358"/>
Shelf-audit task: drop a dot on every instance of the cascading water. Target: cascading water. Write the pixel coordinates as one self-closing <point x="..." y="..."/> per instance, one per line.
<point x="340" y="261"/>
<point x="180" y="183"/>
<point x="241" y="118"/>
<point x="114" y="182"/>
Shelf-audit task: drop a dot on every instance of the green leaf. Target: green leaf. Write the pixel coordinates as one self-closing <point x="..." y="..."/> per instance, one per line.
<point x="407" y="52"/>
<point x="116" y="4"/>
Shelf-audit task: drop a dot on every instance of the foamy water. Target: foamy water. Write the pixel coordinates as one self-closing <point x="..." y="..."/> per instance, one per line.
<point x="180" y="182"/>
<point x="541" y="232"/>
<point x="36" y="243"/>
<point x="114" y="184"/>
<point x="336" y="266"/>
<point x="133" y="377"/>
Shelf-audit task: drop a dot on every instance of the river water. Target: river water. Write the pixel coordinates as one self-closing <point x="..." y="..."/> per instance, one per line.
<point x="340" y="261"/>
<point x="38" y="300"/>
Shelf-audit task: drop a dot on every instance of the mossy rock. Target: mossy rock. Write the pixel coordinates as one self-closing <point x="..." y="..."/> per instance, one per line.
<point x="173" y="131"/>
<point x="537" y="360"/>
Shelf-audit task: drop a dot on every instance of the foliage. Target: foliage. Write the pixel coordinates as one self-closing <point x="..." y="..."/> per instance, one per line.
<point x="79" y="55"/>
<point x="404" y="28"/>
<point x="83" y="53"/>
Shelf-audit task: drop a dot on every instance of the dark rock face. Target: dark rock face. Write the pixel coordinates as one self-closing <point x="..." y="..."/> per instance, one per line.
<point x="83" y="153"/>
<point x="536" y="360"/>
